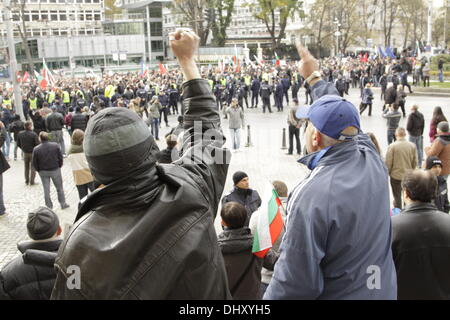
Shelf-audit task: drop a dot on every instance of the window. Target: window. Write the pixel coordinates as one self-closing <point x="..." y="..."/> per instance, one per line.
<point x="52" y="1"/>
<point x="157" y="45"/>
<point x="97" y="17"/>
<point x="89" y="16"/>
<point x="79" y="1"/>
<point x="156" y="12"/>
<point x="34" y="15"/>
<point x="53" y="15"/>
<point x="44" y="15"/>
<point x="156" y="29"/>
<point x="62" y="17"/>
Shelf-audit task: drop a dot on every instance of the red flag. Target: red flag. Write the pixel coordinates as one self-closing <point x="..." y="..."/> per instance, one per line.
<point x="162" y="69"/>
<point x="19" y="79"/>
<point x="26" y="77"/>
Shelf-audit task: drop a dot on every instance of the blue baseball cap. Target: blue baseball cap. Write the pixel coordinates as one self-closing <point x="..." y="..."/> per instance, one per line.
<point x="330" y="115"/>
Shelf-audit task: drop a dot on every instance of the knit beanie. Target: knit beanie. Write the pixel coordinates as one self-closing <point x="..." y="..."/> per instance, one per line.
<point x="432" y="161"/>
<point x="116" y="143"/>
<point x="238" y="176"/>
<point x="443" y="126"/>
<point x="42" y="223"/>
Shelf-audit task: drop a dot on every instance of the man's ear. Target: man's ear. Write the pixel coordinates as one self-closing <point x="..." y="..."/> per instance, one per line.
<point x="316" y="138"/>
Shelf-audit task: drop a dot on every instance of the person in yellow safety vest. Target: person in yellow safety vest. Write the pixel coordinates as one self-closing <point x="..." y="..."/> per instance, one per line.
<point x="33" y="102"/>
<point x="248" y="80"/>
<point x="78" y="93"/>
<point x="109" y="91"/>
<point x="223" y="81"/>
<point x="211" y="83"/>
<point x="51" y="97"/>
<point x="66" y="97"/>
<point x="7" y="102"/>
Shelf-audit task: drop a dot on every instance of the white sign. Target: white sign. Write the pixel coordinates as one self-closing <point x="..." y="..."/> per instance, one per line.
<point x="115" y="57"/>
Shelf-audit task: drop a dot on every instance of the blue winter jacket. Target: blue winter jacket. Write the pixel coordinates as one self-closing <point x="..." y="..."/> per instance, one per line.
<point x="337" y="243"/>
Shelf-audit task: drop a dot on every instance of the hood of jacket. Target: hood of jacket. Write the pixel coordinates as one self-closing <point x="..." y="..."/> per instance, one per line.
<point x="235" y="240"/>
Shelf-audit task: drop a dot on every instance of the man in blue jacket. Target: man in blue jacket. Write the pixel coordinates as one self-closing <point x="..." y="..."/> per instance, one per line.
<point x="337" y="243"/>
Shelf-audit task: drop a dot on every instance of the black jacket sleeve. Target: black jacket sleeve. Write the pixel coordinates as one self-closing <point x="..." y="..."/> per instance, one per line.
<point x="203" y="152"/>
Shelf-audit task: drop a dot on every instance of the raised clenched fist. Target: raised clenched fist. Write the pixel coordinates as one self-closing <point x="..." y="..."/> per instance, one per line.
<point x="184" y="43"/>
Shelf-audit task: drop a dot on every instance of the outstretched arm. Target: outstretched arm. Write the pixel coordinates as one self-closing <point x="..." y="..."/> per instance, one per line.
<point x="203" y="152"/>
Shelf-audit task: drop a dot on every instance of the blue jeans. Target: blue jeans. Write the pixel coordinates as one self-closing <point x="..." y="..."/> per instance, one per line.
<point x="5" y="147"/>
<point x="418" y="142"/>
<point x="155" y="128"/>
<point x="441" y="75"/>
<point x="391" y="136"/>
<point x="235" y="138"/>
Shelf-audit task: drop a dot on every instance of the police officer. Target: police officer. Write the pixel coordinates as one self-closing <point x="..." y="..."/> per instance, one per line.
<point x="279" y="92"/>
<point x="255" y="86"/>
<point x="265" y="92"/>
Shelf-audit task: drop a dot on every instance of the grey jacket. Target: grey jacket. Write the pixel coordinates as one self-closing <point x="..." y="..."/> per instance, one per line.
<point x="236" y="118"/>
<point x="393" y="118"/>
<point x="337" y="243"/>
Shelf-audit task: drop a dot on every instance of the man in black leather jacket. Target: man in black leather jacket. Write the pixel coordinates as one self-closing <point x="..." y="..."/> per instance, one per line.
<point x="149" y="232"/>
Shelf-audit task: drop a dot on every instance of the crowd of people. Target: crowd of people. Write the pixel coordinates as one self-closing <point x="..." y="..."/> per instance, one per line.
<point x="151" y="213"/>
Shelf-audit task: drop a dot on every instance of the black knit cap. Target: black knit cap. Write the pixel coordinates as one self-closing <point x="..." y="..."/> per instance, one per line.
<point x="433" y="161"/>
<point x="116" y="143"/>
<point x="42" y="223"/>
<point x="238" y="176"/>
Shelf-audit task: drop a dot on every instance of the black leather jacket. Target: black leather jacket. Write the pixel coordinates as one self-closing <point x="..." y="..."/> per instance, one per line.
<point x="151" y="235"/>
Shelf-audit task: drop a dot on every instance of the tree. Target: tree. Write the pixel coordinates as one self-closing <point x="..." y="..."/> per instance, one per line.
<point x="439" y="31"/>
<point x="192" y="13"/>
<point x="319" y="16"/>
<point x="222" y="21"/>
<point x="390" y="9"/>
<point x="275" y="14"/>
<point x="411" y="16"/>
<point x="20" y="6"/>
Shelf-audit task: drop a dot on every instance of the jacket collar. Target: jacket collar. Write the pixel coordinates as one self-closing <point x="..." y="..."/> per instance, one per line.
<point x="50" y="245"/>
<point x="417" y="207"/>
<point x="328" y="155"/>
<point x="243" y="192"/>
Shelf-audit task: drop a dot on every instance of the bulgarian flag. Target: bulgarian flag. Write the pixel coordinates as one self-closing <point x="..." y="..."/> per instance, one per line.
<point x="277" y="63"/>
<point x="46" y="74"/>
<point x="269" y="224"/>
<point x="26" y="77"/>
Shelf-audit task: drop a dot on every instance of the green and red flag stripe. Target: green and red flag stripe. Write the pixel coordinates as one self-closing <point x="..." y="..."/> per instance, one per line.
<point x="269" y="224"/>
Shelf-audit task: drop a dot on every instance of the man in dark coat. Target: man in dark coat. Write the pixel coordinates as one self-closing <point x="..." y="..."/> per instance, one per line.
<point x="265" y="91"/>
<point x="390" y="97"/>
<point x="236" y="242"/>
<point x="31" y="275"/>
<point x="255" y="86"/>
<point x="4" y="165"/>
<point x="415" y="126"/>
<point x="153" y="224"/>
<point x="79" y="120"/>
<point x="286" y="82"/>
<point x="421" y="241"/>
<point x="243" y="194"/>
<point x="26" y="141"/>
<point x="279" y="92"/>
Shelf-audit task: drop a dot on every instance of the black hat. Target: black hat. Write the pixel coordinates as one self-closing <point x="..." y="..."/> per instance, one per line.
<point x="433" y="161"/>
<point x="118" y="142"/>
<point x="238" y="176"/>
<point x="42" y="223"/>
<point x="180" y="118"/>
